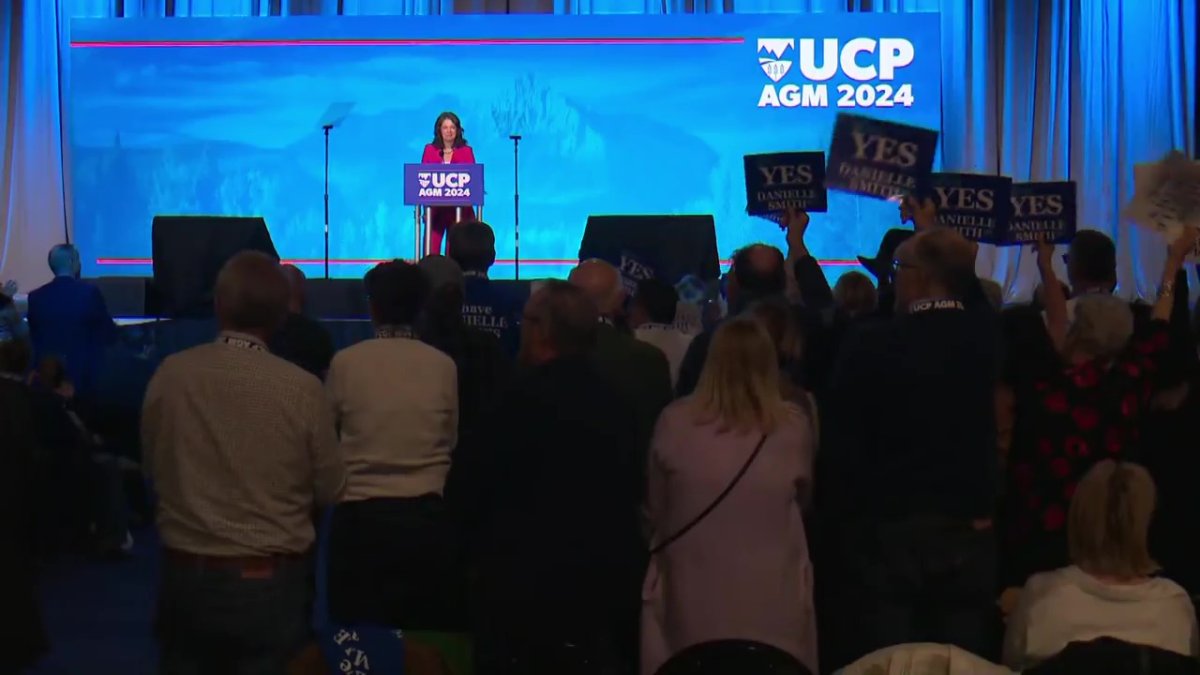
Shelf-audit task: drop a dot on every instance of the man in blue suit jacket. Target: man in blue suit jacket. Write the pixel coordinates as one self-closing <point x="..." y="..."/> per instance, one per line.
<point x="68" y="319"/>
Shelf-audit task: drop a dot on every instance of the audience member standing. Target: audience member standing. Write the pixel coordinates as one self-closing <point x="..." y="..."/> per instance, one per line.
<point x="742" y="571"/>
<point x="23" y="639"/>
<point x="241" y="448"/>
<point x="828" y="314"/>
<point x="483" y="366"/>
<point x="68" y="319"/>
<point x="493" y="307"/>
<point x="302" y="340"/>
<point x="912" y="454"/>
<point x="82" y="501"/>
<point x="779" y="320"/>
<point x="757" y="274"/>
<point x="1091" y="407"/>
<point x="1029" y="355"/>
<point x="854" y="296"/>
<point x="639" y="371"/>
<point x="552" y="502"/>
<point x="395" y="403"/>
<point x="652" y="317"/>
<point x="12" y="326"/>
<point x="1091" y="264"/>
<point x="1110" y="589"/>
<point x="1166" y="452"/>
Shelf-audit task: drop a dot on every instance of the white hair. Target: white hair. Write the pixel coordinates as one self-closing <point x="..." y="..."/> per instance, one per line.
<point x="1102" y="326"/>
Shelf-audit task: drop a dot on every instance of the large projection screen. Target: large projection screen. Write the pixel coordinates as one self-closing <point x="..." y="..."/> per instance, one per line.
<point x="619" y="115"/>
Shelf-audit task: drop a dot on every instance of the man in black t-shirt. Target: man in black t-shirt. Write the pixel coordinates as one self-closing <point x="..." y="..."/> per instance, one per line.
<point x="913" y="460"/>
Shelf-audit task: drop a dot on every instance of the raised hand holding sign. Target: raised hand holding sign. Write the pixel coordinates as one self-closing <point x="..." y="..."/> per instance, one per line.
<point x="1185" y="245"/>
<point x="1166" y="193"/>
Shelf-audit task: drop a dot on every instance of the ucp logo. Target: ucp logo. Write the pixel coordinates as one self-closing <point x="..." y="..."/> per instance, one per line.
<point x="773" y="63"/>
<point x="447" y="179"/>
<point x="886" y="56"/>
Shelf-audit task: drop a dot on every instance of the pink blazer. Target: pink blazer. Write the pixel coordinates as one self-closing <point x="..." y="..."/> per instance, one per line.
<point x="443" y="217"/>
<point x="461" y="155"/>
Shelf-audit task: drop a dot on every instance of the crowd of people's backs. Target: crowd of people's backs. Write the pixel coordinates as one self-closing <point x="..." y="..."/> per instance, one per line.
<point x="611" y="491"/>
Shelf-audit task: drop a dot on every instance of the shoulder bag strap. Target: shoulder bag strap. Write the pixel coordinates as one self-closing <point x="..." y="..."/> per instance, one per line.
<point x="715" y="503"/>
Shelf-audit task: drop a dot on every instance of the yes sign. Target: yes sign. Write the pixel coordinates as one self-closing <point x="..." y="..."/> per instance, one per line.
<point x="1042" y="211"/>
<point x="778" y="181"/>
<point x="879" y="159"/>
<point x="975" y="205"/>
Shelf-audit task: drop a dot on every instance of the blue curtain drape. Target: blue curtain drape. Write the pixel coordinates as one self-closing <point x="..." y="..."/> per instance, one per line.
<point x="33" y="187"/>
<point x="208" y="8"/>
<point x="1035" y="89"/>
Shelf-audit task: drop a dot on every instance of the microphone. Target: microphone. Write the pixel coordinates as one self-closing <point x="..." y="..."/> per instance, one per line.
<point x="515" y="137"/>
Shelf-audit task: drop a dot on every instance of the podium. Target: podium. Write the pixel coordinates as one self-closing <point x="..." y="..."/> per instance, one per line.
<point x="440" y="185"/>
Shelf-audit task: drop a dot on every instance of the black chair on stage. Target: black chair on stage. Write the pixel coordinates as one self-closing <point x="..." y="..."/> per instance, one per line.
<point x="733" y="657"/>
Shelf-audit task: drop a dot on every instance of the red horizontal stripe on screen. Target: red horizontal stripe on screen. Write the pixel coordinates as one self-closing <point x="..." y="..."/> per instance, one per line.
<point x="416" y="42"/>
<point x="544" y="262"/>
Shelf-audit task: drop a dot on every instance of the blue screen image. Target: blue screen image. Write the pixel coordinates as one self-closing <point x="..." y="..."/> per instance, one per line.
<point x="618" y="114"/>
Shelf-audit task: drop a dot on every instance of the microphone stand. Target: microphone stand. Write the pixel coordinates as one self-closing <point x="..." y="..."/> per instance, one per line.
<point x="516" y="139"/>
<point x="327" y="128"/>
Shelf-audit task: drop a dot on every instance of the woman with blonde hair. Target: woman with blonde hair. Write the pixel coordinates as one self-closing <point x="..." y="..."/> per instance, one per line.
<point x="729" y="467"/>
<point x="1109" y="590"/>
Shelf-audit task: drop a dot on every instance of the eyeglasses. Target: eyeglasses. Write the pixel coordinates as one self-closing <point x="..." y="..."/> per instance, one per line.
<point x="899" y="264"/>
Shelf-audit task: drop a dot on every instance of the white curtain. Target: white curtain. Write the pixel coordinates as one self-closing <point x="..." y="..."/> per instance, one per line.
<point x="1067" y="89"/>
<point x="33" y="212"/>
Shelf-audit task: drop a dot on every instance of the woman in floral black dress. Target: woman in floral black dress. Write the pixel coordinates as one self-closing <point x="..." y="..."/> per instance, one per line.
<point x="1090" y="408"/>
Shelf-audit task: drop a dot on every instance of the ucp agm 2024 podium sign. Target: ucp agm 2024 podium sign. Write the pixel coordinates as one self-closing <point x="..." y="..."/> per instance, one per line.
<point x="441" y="185"/>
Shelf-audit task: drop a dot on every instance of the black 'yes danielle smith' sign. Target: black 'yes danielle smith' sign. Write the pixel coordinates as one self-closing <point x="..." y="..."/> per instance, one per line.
<point x="778" y="181"/>
<point x="879" y="159"/>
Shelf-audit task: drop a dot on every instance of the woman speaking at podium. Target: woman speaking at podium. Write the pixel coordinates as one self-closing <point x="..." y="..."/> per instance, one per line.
<point x="448" y="147"/>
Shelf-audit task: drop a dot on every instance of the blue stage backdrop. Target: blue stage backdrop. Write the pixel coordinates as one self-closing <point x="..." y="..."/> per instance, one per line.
<point x="620" y="115"/>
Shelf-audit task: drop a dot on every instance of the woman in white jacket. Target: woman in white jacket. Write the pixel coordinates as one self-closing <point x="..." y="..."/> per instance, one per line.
<point x="1110" y="590"/>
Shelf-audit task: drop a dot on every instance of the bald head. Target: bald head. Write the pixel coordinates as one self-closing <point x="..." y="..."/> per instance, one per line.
<point x="296" y="279"/>
<point x="758" y="274"/>
<point x="600" y="282"/>
<point x="251" y="294"/>
<point x="934" y="264"/>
